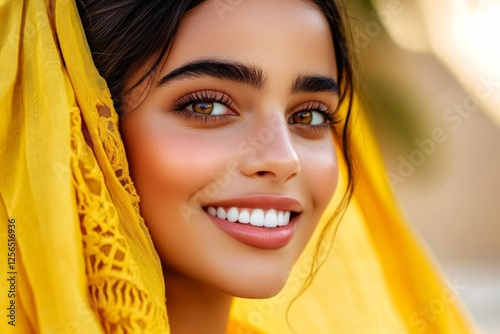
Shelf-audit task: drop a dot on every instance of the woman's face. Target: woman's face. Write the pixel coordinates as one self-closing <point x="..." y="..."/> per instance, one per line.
<point x="235" y="134"/>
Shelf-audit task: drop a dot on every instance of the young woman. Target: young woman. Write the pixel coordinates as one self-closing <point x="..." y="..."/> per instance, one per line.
<point x="231" y="124"/>
<point x="227" y="122"/>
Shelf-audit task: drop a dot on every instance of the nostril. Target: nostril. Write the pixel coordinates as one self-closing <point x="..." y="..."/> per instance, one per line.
<point x="265" y="173"/>
<point x="268" y="173"/>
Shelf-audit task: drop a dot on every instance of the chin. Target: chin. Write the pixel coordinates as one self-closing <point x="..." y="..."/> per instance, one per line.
<point x="258" y="275"/>
<point x="265" y="288"/>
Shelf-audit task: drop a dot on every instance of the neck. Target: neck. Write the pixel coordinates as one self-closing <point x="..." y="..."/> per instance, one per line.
<point x="194" y="307"/>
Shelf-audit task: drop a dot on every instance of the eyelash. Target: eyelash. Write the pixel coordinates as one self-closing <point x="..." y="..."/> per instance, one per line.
<point x="181" y="104"/>
<point x="331" y="116"/>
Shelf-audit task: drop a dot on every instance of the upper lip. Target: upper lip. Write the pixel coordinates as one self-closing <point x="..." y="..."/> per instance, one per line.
<point x="261" y="201"/>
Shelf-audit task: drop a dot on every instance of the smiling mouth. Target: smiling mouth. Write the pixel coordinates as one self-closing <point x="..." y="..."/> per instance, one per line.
<point x="267" y="218"/>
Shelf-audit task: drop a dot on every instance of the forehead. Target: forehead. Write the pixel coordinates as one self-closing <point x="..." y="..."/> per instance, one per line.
<point x="278" y="36"/>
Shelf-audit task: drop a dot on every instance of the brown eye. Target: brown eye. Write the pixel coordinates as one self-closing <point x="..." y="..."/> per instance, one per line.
<point x="208" y="108"/>
<point x="307" y="117"/>
<point x="301" y="117"/>
<point x="205" y="108"/>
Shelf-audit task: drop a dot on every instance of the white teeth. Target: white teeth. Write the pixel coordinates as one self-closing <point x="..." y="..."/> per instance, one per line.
<point x="287" y="218"/>
<point x="244" y="217"/>
<point x="221" y="213"/>
<point x="212" y="211"/>
<point x="271" y="219"/>
<point x="232" y="215"/>
<point x="257" y="217"/>
<point x="281" y="218"/>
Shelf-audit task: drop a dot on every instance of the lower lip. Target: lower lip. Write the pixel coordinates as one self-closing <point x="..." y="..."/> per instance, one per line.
<point x="255" y="236"/>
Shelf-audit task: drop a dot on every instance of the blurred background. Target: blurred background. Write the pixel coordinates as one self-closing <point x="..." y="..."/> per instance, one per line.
<point x="431" y="73"/>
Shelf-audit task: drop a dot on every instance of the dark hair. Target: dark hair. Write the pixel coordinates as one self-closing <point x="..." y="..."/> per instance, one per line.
<point x="126" y="35"/>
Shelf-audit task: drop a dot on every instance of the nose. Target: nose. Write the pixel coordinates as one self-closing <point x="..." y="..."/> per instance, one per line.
<point x="270" y="152"/>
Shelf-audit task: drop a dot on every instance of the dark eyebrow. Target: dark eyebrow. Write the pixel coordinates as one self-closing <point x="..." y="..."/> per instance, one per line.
<point x="230" y="70"/>
<point x="309" y="83"/>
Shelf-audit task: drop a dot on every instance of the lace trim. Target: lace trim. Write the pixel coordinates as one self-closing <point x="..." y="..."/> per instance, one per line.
<point x="119" y="300"/>
<point x="111" y="143"/>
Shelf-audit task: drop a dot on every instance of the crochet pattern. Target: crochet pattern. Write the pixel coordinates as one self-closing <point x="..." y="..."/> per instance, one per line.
<point x="117" y="297"/>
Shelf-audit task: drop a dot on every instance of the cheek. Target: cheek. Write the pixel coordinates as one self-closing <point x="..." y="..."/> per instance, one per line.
<point x="320" y="171"/>
<point x="168" y="164"/>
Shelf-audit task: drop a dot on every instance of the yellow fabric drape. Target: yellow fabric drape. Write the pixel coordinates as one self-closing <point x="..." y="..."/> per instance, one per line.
<point x="79" y="256"/>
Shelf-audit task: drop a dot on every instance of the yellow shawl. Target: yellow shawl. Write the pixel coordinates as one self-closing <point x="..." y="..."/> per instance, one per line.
<point x="77" y="257"/>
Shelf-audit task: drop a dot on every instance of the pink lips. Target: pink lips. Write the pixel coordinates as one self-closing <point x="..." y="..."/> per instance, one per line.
<point x="256" y="236"/>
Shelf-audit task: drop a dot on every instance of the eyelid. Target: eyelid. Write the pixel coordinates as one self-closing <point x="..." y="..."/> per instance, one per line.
<point x="204" y="95"/>
<point x="330" y="114"/>
<point x="181" y="104"/>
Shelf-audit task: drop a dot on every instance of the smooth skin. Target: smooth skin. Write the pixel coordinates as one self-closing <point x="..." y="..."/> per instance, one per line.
<point x="238" y="137"/>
